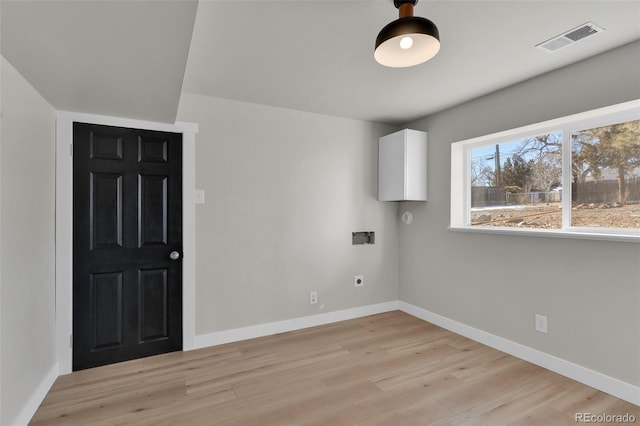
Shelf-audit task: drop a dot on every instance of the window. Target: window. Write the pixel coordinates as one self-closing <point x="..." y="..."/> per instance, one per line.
<point x="576" y="175"/>
<point x="605" y="167"/>
<point x="518" y="183"/>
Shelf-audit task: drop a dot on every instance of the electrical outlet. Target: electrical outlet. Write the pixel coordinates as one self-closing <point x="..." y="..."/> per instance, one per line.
<point x="313" y="297"/>
<point x="358" y="280"/>
<point x="541" y="323"/>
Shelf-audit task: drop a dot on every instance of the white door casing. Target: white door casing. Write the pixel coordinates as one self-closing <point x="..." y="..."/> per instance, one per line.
<point x="64" y="224"/>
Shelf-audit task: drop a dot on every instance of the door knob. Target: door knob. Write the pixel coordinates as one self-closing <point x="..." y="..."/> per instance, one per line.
<point x="174" y="255"/>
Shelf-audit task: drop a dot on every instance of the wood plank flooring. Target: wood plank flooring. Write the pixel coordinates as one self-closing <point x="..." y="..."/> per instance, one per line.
<point x="387" y="369"/>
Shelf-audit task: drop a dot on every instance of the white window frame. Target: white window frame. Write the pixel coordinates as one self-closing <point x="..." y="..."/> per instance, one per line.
<point x="461" y="177"/>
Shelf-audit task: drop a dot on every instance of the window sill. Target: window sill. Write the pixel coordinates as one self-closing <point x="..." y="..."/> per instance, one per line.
<point x="553" y="233"/>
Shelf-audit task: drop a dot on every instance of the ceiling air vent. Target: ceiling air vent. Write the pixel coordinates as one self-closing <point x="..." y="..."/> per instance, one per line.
<point x="570" y="37"/>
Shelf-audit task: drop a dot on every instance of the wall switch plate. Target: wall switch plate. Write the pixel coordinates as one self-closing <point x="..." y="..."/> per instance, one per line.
<point x="541" y="323"/>
<point x="199" y="196"/>
<point x="313" y="297"/>
<point x="358" y="280"/>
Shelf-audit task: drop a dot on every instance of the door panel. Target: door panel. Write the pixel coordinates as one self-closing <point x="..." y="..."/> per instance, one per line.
<point x="152" y="149"/>
<point x="152" y="210"/>
<point x="153" y="304"/>
<point x="106" y="146"/>
<point x="106" y="298"/>
<point x="127" y="207"/>
<point x="106" y="210"/>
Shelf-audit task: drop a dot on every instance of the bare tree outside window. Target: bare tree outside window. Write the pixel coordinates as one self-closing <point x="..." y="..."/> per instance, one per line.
<point x="518" y="183"/>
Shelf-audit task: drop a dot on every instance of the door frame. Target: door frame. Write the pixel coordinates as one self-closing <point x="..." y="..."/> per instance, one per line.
<point x="64" y="224"/>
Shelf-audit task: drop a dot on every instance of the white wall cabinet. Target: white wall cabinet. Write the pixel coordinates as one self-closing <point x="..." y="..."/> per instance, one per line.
<point x="402" y="166"/>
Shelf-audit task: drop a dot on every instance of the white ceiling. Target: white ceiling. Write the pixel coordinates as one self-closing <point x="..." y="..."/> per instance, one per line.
<point x="118" y="58"/>
<point x="127" y="58"/>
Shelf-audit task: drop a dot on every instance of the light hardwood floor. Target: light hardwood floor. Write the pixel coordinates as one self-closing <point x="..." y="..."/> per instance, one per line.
<point x="387" y="369"/>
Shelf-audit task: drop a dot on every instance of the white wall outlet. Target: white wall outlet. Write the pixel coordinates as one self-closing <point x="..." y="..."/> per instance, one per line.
<point x="358" y="280"/>
<point x="198" y="196"/>
<point x="313" y="297"/>
<point x="541" y="323"/>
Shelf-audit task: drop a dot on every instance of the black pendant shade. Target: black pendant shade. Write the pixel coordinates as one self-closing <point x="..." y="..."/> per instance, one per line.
<point x="407" y="41"/>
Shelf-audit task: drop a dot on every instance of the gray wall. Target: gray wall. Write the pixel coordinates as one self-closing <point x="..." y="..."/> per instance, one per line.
<point x="27" y="253"/>
<point x="589" y="290"/>
<point x="284" y="191"/>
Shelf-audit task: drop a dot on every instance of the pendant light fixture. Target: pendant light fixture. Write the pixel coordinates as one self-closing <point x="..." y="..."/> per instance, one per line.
<point x="407" y="41"/>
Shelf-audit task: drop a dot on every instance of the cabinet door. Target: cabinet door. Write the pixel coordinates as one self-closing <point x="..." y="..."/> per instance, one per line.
<point x="402" y="166"/>
<point x="415" y="177"/>
<point x="391" y="167"/>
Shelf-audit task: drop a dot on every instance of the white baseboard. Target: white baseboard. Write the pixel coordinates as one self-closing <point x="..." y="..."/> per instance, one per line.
<point x="610" y="385"/>
<point x="29" y="409"/>
<point x="251" y="332"/>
